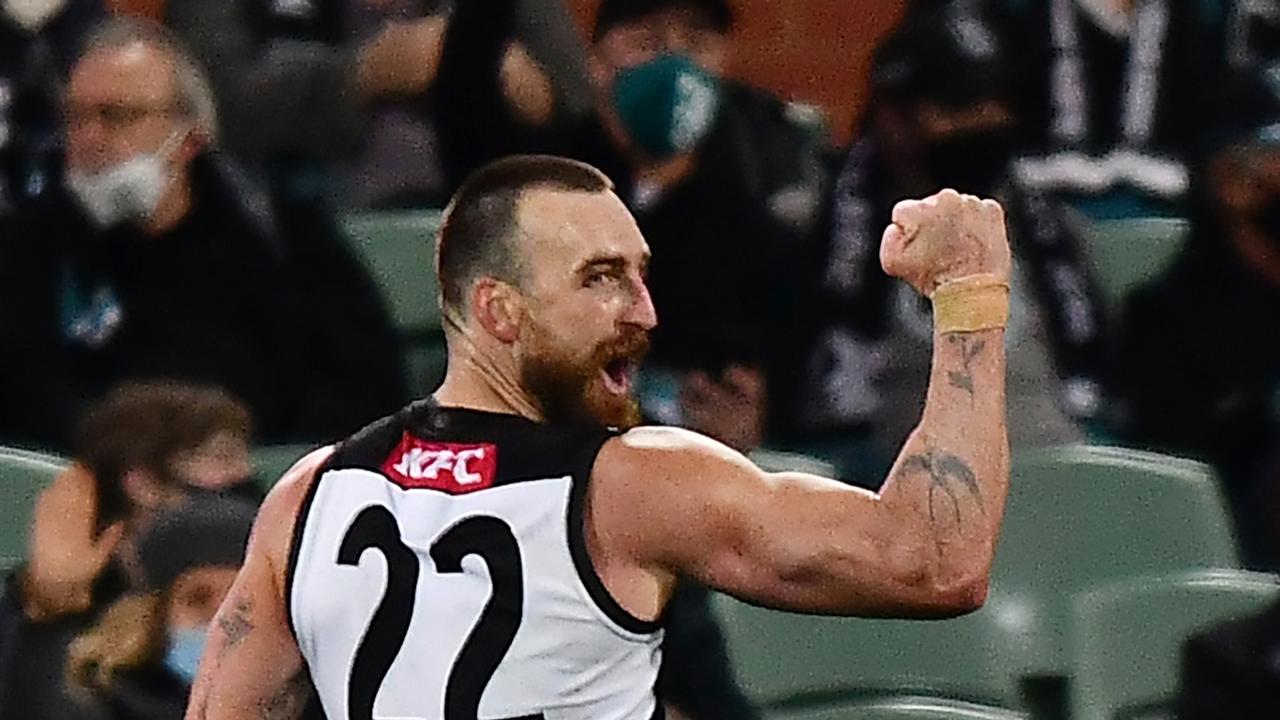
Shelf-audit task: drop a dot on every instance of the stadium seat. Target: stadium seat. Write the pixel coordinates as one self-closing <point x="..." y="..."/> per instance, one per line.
<point x="1081" y="516"/>
<point x="23" y="474"/>
<point x="1128" y="635"/>
<point x="785" y="461"/>
<point x="271" y="461"/>
<point x="1132" y="252"/>
<point x="398" y="248"/>
<point x="779" y="657"/>
<point x="899" y="708"/>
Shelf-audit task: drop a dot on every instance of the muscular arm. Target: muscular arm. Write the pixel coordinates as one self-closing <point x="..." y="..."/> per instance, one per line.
<point x="673" y="503"/>
<point x="251" y="668"/>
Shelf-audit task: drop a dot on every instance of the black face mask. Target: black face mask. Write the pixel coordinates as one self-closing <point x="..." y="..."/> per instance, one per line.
<point x="971" y="163"/>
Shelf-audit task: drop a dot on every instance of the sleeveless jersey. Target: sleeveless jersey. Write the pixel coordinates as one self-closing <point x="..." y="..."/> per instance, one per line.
<point x="439" y="572"/>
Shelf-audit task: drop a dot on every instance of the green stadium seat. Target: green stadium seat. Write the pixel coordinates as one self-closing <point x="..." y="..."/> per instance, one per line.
<point x="1132" y="252"/>
<point x="1128" y="636"/>
<point x="1081" y="516"/>
<point x="779" y="656"/>
<point x="271" y="461"/>
<point x="23" y="474"/>
<point x="398" y="248"/>
<point x="785" y="461"/>
<point x="899" y="708"/>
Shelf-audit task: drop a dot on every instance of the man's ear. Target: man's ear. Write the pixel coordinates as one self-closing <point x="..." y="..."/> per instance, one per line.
<point x="499" y="308"/>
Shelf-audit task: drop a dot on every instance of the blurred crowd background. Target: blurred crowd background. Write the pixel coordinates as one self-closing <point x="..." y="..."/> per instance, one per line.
<point x="216" y="222"/>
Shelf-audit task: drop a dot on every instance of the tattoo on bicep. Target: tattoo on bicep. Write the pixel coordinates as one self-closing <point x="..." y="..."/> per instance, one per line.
<point x="235" y="623"/>
<point x="945" y="471"/>
<point x="287" y="703"/>
<point x="969" y="349"/>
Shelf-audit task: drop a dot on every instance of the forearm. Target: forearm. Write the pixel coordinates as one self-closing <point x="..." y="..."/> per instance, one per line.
<point x="947" y="488"/>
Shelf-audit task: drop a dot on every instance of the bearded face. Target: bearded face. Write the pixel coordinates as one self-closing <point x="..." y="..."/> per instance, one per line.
<point x="592" y="386"/>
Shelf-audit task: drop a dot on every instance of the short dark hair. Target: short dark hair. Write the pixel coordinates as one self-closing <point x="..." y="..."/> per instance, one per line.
<point x="144" y="426"/>
<point x="613" y="13"/>
<point x="480" y="222"/>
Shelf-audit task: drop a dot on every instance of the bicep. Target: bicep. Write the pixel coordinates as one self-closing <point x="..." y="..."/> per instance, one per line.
<point x="786" y="540"/>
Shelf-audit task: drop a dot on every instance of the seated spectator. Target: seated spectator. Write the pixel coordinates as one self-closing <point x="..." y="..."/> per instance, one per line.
<point x="139" y="660"/>
<point x="1116" y="98"/>
<point x="940" y="116"/>
<point x="38" y="41"/>
<point x="402" y="98"/>
<point x="142" y="451"/>
<point x="724" y="181"/>
<point x="1199" y="354"/>
<point x="158" y="260"/>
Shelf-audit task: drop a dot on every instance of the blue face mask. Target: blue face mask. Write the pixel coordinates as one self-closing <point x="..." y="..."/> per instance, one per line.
<point x="185" y="648"/>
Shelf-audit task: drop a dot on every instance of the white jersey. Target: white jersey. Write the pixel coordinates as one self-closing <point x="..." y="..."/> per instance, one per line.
<point x="439" y="572"/>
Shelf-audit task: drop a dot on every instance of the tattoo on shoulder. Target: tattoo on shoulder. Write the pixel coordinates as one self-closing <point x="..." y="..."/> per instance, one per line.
<point x="945" y="472"/>
<point x="969" y="350"/>
<point x="287" y="703"/>
<point x="235" y="623"/>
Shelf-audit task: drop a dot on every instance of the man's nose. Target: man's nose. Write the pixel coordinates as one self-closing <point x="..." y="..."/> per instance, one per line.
<point x="641" y="313"/>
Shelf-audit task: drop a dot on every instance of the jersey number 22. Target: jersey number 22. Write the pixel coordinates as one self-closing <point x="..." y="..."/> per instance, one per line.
<point x="488" y="537"/>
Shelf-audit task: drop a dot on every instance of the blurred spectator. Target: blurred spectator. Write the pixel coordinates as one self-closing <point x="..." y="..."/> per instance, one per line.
<point x="38" y="41"/>
<point x="1232" y="670"/>
<point x="1199" y="354"/>
<point x="1115" y="98"/>
<point x="406" y="97"/>
<point x="158" y="260"/>
<point x="139" y="660"/>
<point x="140" y="452"/>
<point x="940" y="116"/>
<point x="724" y="181"/>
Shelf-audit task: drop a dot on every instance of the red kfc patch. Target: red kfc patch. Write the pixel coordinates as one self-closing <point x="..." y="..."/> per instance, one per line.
<point x="448" y="467"/>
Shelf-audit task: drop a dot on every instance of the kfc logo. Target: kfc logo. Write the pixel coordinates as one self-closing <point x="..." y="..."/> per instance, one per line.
<point x="448" y="467"/>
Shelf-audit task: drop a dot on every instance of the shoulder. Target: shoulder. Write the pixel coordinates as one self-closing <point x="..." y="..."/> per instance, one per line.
<point x="650" y="464"/>
<point x="273" y="531"/>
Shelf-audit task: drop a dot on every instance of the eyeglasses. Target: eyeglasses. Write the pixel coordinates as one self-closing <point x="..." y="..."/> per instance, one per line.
<point x="113" y="116"/>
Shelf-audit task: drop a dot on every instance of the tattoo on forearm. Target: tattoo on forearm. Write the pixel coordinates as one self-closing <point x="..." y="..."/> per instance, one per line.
<point x="945" y="471"/>
<point x="288" y="702"/>
<point x="235" y="624"/>
<point x="969" y="349"/>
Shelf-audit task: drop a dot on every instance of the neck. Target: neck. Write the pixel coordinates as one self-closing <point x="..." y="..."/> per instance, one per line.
<point x="476" y="381"/>
<point x="172" y="208"/>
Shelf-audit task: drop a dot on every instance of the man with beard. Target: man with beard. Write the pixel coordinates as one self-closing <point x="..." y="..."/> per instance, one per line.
<point x="505" y="548"/>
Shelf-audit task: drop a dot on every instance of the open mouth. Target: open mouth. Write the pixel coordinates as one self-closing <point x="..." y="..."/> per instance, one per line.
<point x="619" y="375"/>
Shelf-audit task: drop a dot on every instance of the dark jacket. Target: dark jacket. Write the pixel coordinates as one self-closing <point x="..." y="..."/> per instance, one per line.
<point x="264" y="301"/>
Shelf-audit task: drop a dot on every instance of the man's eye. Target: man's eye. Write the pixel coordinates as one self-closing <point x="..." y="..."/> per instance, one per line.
<point x="599" y="278"/>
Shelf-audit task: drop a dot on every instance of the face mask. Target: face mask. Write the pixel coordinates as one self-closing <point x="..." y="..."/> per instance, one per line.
<point x="32" y="14"/>
<point x="667" y="106"/>
<point x="185" y="648"/>
<point x="129" y="191"/>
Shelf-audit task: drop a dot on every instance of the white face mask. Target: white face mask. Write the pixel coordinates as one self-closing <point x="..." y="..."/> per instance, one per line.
<point x="129" y="191"/>
<point x="32" y="14"/>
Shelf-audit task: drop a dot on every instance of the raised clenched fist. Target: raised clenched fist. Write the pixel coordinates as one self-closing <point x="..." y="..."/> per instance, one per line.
<point x="944" y="237"/>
